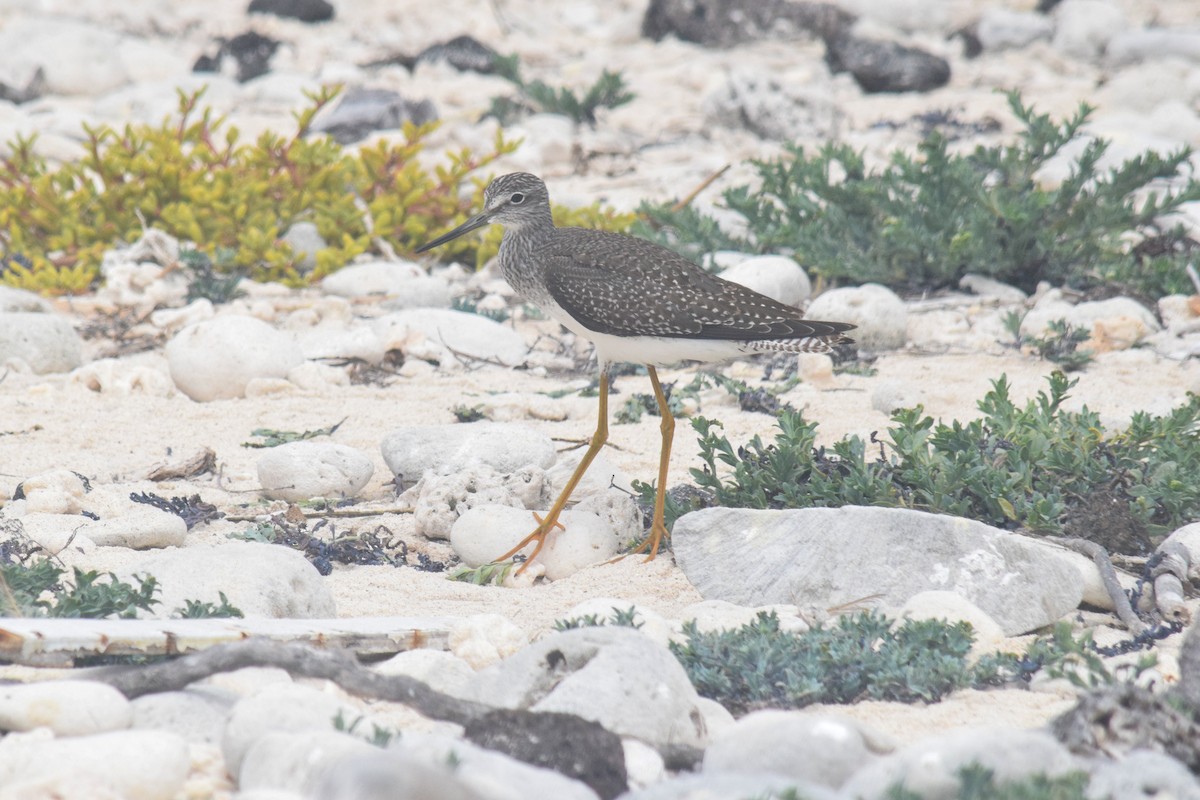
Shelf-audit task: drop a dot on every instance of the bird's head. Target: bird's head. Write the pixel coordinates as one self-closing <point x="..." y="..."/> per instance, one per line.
<point x="513" y="200"/>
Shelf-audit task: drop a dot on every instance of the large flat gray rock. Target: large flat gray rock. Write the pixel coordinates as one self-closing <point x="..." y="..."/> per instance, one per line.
<point x="832" y="556"/>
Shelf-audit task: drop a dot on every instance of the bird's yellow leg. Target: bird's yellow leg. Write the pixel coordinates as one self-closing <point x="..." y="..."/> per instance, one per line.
<point x="550" y="521"/>
<point x="658" y="528"/>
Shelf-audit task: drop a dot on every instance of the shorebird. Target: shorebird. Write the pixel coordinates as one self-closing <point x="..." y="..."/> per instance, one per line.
<point x="636" y="301"/>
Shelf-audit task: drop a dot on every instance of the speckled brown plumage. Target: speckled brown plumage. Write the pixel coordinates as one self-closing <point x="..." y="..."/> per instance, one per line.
<point x="635" y="301"/>
<point x="619" y="290"/>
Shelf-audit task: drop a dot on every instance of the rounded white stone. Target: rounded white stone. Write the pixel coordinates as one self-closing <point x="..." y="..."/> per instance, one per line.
<point x="778" y="277"/>
<point x="217" y="359"/>
<point x="133" y="765"/>
<point x="484" y="639"/>
<point x="75" y="57"/>
<point x="302" y="470"/>
<point x="337" y="341"/>
<point x="67" y="707"/>
<point x="373" y="277"/>
<point x="878" y="312"/>
<point x="890" y="396"/>
<point x="54" y="532"/>
<point x="425" y="291"/>
<point x="313" y="376"/>
<point x="440" y="499"/>
<point x="139" y="528"/>
<point x="280" y="708"/>
<point x="443" y="671"/>
<point x="174" y="319"/>
<point x="20" y="300"/>
<point x="296" y="761"/>
<point x="449" y="336"/>
<point x="197" y="713"/>
<point x="953" y="607"/>
<point x="55" y="492"/>
<point x="263" y="580"/>
<point x="823" y="749"/>
<point x="643" y="765"/>
<point x="45" y="342"/>
<point x="411" y="450"/>
<point x="485" y="533"/>
<point x="1002" y="28"/>
<point x="121" y="377"/>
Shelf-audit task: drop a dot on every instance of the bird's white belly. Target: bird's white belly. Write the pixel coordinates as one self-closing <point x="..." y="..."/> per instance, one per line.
<point x="650" y="349"/>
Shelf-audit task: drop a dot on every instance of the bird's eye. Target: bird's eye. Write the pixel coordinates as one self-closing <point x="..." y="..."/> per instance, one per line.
<point x="517" y="198"/>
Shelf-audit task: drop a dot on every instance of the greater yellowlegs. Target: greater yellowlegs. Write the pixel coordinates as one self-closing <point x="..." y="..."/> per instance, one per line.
<point x="636" y="302"/>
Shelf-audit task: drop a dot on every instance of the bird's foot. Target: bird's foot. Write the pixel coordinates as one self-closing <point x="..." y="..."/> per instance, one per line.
<point x="545" y="525"/>
<point x="651" y="544"/>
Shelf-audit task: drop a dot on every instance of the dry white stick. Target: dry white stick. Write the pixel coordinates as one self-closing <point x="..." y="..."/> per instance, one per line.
<point x="1108" y="575"/>
<point x="1169" y="577"/>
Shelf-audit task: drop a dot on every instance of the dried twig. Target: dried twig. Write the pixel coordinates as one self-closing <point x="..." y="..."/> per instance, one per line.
<point x="204" y="460"/>
<point x="1108" y="574"/>
<point x="473" y="362"/>
<point x="330" y="513"/>
<point x="1169" y="578"/>
<point x="687" y="201"/>
<point x="339" y="666"/>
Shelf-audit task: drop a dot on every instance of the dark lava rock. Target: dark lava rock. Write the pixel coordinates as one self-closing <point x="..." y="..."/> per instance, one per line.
<point x="464" y="53"/>
<point x="972" y="46"/>
<point x="886" y="66"/>
<point x="30" y="91"/>
<point x="724" y="23"/>
<point x="303" y="10"/>
<point x="250" y="51"/>
<point x="362" y="111"/>
<point x="572" y="746"/>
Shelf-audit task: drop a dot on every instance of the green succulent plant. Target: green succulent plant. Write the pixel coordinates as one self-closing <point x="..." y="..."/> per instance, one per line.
<point x="194" y="178"/>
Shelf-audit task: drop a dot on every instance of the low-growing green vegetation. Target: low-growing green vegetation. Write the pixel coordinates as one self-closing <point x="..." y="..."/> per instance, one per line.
<point x="1059" y="343"/>
<point x="34" y="586"/>
<point x="976" y="782"/>
<point x="493" y="573"/>
<point x="273" y="438"/>
<point x="199" y="609"/>
<point x="609" y="91"/>
<point x="40" y="590"/>
<point x="195" y="178"/>
<point x="1036" y="466"/>
<point x="866" y="656"/>
<point x="925" y="220"/>
<point x="861" y="657"/>
<point x="469" y="306"/>
<point x="466" y="413"/>
<point x="379" y="736"/>
<point x="208" y="281"/>
<point x="621" y="618"/>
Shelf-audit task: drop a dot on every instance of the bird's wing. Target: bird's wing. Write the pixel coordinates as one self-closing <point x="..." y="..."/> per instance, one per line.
<point x="653" y="292"/>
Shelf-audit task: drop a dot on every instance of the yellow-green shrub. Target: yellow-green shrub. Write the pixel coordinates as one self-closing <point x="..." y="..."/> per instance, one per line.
<point x="193" y="179"/>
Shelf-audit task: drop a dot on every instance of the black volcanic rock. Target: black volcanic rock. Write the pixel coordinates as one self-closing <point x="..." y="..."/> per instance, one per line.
<point x="303" y="10"/>
<point x="886" y="66"/>
<point x="724" y="23"/>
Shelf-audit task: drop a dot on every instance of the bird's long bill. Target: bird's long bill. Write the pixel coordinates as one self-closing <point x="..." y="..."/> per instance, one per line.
<point x="477" y="221"/>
